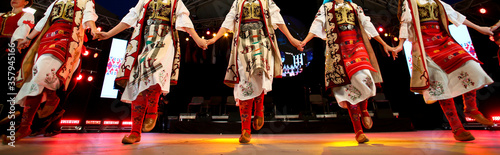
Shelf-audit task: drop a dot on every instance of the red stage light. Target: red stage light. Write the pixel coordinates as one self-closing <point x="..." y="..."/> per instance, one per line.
<point x="468" y="119"/>
<point x="111" y="122"/>
<point x="127" y="123"/>
<point x="86" y="53"/>
<point x="99" y="29"/>
<point x="492" y="38"/>
<point x="496" y="118"/>
<point x="70" y="122"/>
<point x="482" y="10"/>
<point x="80" y="76"/>
<point x="93" y="122"/>
<point x="380" y="29"/>
<point x="90" y="78"/>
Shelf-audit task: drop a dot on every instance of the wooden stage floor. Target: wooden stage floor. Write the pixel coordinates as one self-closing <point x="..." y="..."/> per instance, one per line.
<point x="401" y="143"/>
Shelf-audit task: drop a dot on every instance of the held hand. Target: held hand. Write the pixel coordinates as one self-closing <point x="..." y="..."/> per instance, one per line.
<point x="202" y="43"/>
<point x="387" y="48"/>
<point x="23" y="44"/>
<point x="485" y="30"/>
<point x="94" y="34"/>
<point x="211" y="41"/>
<point x="296" y="44"/>
<point x="395" y="51"/>
<point x="101" y="35"/>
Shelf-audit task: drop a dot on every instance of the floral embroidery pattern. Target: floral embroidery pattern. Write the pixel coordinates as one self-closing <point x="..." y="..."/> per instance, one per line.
<point x="51" y="77"/>
<point x="246" y="88"/>
<point x="436" y="88"/>
<point x="353" y="92"/>
<point x="368" y="81"/>
<point x="466" y="81"/>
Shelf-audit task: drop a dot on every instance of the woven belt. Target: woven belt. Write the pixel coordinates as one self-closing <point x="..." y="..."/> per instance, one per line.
<point x="346" y="27"/>
<point x="157" y="22"/>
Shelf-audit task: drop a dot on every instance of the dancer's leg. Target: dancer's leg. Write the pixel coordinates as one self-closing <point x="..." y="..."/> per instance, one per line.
<point x="450" y="112"/>
<point x="470" y="108"/>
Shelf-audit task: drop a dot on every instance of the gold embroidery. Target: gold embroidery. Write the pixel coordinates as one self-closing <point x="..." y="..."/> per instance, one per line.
<point x="159" y="9"/>
<point x="428" y="11"/>
<point x="252" y="11"/>
<point x="62" y="10"/>
<point x="345" y="15"/>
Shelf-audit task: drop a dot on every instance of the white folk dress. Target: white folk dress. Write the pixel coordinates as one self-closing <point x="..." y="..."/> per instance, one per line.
<point x="362" y="86"/>
<point x="257" y="83"/>
<point x="443" y="86"/>
<point x="160" y="73"/>
<point x="47" y="65"/>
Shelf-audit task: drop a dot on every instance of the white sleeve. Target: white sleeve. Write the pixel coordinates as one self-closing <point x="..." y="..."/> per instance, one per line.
<point x="318" y="25"/>
<point x="276" y="17"/>
<point x="406" y="21"/>
<point x="183" y="21"/>
<point x="453" y="16"/>
<point x="367" y="24"/>
<point x="41" y="23"/>
<point x="230" y="21"/>
<point x="25" y="23"/>
<point x="89" y="13"/>
<point x="133" y="15"/>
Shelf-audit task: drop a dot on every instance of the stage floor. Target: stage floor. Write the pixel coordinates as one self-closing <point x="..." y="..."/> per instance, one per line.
<point x="404" y="143"/>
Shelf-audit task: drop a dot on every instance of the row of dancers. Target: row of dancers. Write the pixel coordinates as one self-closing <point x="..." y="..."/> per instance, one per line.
<point x="442" y="68"/>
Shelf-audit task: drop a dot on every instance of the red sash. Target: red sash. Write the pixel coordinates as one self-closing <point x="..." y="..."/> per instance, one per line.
<point x="442" y="49"/>
<point x="354" y="53"/>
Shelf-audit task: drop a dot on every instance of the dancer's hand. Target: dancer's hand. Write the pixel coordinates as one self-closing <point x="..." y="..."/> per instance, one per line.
<point x="94" y="34"/>
<point x="102" y="35"/>
<point x="296" y="44"/>
<point x="388" y="48"/>
<point x="485" y="30"/>
<point x="395" y="51"/>
<point x="23" y="43"/>
<point x="211" y="41"/>
<point x="202" y="43"/>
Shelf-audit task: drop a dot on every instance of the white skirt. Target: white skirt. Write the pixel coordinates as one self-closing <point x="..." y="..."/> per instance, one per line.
<point x="251" y="87"/>
<point x="361" y="88"/>
<point x="445" y="86"/>
<point x="154" y="66"/>
<point x="43" y="77"/>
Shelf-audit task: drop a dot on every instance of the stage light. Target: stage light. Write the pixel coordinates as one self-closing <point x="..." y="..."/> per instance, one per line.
<point x="90" y="78"/>
<point x="208" y="32"/>
<point x="225" y="34"/>
<point x="482" y="10"/>
<point x="96" y="55"/>
<point x="92" y="122"/>
<point x="380" y="29"/>
<point x="492" y="38"/>
<point x="496" y="118"/>
<point x="86" y="53"/>
<point x="187" y="39"/>
<point x="99" y="29"/>
<point x="214" y="34"/>
<point x="468" y="119"/>
<point x="396" y="39"/>
<point x="385" y="34"/>
<point x="202" y="37"/>
<point x="111" y="122"/>
<point x="79" y="77"/>
<point x="70" y="122"/>
<point x="127" y="123"/>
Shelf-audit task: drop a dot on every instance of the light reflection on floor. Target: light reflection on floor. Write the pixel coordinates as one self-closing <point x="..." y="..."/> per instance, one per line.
<point x="406" y="143"/>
